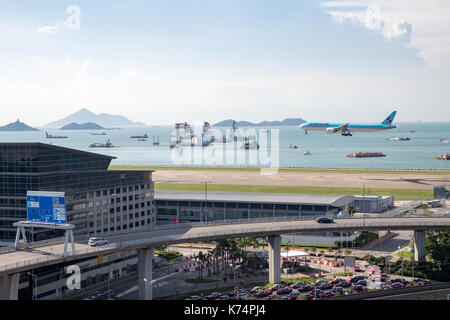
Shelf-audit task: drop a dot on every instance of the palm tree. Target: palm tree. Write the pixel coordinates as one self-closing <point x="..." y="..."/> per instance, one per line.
<point x="201" y="258"/>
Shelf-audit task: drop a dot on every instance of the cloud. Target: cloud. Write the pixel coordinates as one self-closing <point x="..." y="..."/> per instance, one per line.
<point x="83" y="68"/>
<point x="53" y="28"/>
<point x="431" y="36"/>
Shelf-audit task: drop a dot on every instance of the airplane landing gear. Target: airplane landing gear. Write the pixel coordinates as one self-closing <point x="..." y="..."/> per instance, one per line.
<point x="306" y="131"/>
<point x="347" y="133"/>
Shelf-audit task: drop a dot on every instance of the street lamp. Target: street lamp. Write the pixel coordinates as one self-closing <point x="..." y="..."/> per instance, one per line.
<point x="234" y="273"/>
<point x="35" y="285"/>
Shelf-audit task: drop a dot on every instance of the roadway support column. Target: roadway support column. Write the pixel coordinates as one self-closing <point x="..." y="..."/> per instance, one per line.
<point x="419" y="245"/>
<point x="274" y="258"/>
<point x="145" y="268"/>
<point x="9" y="286"/>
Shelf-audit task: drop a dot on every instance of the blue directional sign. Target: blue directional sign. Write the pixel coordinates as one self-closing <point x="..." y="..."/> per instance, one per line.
<point x="46" y="206"/>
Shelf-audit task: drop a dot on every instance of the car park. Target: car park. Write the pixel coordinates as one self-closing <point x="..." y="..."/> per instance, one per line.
<point x="97" y="241"/>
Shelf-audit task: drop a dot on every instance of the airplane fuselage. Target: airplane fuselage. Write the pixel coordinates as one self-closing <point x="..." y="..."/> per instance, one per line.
<point x="323" y="126"/>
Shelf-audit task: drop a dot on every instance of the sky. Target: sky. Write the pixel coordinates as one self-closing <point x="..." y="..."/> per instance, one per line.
<point x="161" y="62"/>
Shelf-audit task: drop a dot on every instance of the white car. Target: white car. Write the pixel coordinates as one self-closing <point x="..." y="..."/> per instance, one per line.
<point x="97" y="242"/>
<point x="243" y="295"/>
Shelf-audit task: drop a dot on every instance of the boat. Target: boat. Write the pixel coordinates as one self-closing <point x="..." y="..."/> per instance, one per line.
<point x="365" y="154"/>
<point x="97" y="134"/>
<point x="49" y="136"/>
<point x="443" y="157"/>
<point x="398" y="138"/>
<point x="235" y="134"/>
<point x="156" y="141"/>
<point x="108" y="144"/>
<point x="185" y="136"/>
<point x="292" y="146"/>
<point x="412" y="131"/>
<point x="307" y="153"/>
<point x="250" y="143"/>
<point x="444" y="141"/>
<point x="140" y="137"/>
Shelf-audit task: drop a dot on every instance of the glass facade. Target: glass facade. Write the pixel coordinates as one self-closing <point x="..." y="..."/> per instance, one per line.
<point x="93" y="193"/>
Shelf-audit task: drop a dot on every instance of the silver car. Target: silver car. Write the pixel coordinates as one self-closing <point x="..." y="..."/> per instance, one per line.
<point x="97" y="242"/>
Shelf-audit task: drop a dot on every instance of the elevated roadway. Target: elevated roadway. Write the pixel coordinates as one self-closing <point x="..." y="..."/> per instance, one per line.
<point x="17" y="261"/>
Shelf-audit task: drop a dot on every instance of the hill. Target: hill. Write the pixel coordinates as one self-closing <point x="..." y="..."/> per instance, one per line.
<point x="17" y="126"/>
<point x="285" y="122"/>
<point x="83" y="126"/>
<point x="102" y="119"/>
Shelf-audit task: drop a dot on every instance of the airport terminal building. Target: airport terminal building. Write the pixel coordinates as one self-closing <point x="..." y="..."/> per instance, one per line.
<point x="193" y="206"/>
<point x="98" y="200"/>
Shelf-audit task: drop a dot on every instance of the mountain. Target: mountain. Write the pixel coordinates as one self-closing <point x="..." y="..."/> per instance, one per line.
<point x="17" y="126"/>
<point x="83" y="126"/>
<point x="285" y="122"/>
<point x="102" y="119"/>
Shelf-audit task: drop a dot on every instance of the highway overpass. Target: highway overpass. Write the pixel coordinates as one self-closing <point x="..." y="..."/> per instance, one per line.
<point x="16" y="261"/>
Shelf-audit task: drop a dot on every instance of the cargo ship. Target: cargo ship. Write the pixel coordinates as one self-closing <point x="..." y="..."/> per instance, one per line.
<point x="49" y="136"/>
<point x="443" y="157"/>
<point x="108" y="144"/>
<point x="365" y="154"/>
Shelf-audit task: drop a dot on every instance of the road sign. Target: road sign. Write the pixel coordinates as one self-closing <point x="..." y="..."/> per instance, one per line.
<point x="46" y="206"/>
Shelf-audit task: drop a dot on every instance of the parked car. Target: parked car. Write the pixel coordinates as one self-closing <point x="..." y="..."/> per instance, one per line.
<point x="97" y="242"/>
<point x="325" y="286"/>
<point x="270" y="297"/>
<point x="345" y="284"/>
<point x="275" y="287"/>
<point x="293" y="295"/>
<point x="336" y="281"/>
<point x="357" y="269"/>
<point x="262" y="294"/>
<point x="362" y="282"/>
<point x="195" y="298"/>
<point x="305" y="288"/>
<point x="324" y="220"/>
<point x="338" y="289"/>
<point x="297" y="285"/>
<point x="309" y="296"/>
<point x="283" y="291"/>
<point x="256" y="289"/>
<point x="242" y="295"/>
<point x="424" y="281"/>
<point x="213" y="295"/>
<point x="360" y="288"/>
<point x="397" y="285"/>
<point x="357" y="278"/>
<point x="325" y="294"/>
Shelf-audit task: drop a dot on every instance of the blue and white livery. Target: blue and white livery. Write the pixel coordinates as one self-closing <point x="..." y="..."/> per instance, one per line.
<point x="346" y="129"/>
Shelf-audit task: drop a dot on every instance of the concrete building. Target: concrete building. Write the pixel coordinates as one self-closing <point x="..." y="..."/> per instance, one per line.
<point x="192" y="206"/>
<point x="98" y="200"/>
<point x="373" y="204"/>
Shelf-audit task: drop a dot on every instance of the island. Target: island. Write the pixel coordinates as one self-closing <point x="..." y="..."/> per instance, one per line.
<point x="285" y="122"/>
<point x="17" y="126"/>
<point x="82" y="126"/>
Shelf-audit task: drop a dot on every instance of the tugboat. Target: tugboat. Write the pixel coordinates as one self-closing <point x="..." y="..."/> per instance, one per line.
<point x="443" y="157"/>
<point x="235" y="134"/>
<point x="108" y="144"/>
<point x="292" y="146"/>
<point x="444" y="141"/>
<point x="307" y="153"/>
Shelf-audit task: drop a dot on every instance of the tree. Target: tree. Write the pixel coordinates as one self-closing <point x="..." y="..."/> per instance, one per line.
<point x="201" y="258"/>
<point x="348" y="252"/>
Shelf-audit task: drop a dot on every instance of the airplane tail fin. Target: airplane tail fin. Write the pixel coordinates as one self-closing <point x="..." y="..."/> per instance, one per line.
<point x="389" y="119"/>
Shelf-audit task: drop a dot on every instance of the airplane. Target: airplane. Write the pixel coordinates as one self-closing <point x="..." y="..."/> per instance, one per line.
<point x="346" y="129"/>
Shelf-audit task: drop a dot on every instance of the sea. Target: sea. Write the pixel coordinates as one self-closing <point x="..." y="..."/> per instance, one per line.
<point x="326" y="150"/>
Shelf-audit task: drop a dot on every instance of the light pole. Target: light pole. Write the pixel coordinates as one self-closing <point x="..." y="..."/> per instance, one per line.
<point x="234" y="273"/>
<point x="35" y="285"/>
<point x="287" y="259"/>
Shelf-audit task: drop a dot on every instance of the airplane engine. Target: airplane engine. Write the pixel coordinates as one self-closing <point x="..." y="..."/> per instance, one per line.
<point x="331" y="130"/>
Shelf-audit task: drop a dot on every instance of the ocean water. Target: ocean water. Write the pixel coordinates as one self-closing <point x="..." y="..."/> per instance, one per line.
<point x="327" y="150"/>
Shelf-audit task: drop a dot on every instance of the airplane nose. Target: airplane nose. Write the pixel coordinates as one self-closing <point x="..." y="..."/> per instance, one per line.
<point x="302" y="125"/>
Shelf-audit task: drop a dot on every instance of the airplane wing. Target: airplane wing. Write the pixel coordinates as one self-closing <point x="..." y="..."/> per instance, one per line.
<point x="342" y="128"/>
